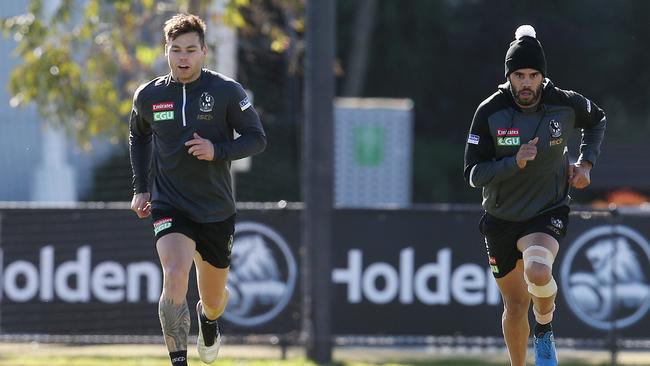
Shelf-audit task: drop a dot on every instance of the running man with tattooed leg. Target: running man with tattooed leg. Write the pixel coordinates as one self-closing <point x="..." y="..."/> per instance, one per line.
<point x="185" y="121"/>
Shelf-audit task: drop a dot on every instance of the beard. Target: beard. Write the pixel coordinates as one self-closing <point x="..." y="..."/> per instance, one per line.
<point x="526" y="102"/>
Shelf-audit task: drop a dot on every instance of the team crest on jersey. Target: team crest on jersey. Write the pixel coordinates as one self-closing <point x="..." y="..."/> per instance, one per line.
<point x="206" y="102"/>
<point x="556" y="128"/>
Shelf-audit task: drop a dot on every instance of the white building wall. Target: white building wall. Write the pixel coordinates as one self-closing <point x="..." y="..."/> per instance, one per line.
<point x="25" y="168"/>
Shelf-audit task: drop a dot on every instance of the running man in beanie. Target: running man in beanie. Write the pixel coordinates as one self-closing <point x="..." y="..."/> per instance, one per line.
<point x="517" y="152"/>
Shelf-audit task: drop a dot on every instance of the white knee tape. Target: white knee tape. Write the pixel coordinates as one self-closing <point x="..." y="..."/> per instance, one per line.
<point x="547" y="290"/>
<point x="539" y="254"/>
<point x="544" y="318"/>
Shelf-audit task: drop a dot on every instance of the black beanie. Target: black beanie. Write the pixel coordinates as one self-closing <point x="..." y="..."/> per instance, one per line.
<point x="525" y="52"/>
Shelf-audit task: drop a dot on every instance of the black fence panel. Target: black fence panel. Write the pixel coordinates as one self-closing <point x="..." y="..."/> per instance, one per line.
<point x="395" y="273"/>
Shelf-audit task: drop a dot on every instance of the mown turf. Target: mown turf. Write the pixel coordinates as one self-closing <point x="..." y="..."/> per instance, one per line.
<point x="32" y="360"/>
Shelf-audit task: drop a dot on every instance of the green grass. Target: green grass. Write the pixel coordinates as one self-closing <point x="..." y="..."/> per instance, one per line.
<point x="49" y="360"/>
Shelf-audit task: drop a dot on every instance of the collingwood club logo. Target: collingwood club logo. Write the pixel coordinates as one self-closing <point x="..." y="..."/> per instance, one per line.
<point x="605" y="277"/>
<point x="206" y="103"/>
<point x="557" y="223"/>
<point x="556" y="128"/>
<point x="262" y="275"/>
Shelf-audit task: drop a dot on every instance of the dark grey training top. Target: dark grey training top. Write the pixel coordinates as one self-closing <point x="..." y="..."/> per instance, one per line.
<point x="498" y="130"/>
<point x="212" y="106"/>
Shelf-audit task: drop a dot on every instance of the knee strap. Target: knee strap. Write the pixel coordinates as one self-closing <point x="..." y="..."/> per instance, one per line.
<point x="544" y="318"/>
<point x="539" y="254"/>
<point x="547" y="290"/>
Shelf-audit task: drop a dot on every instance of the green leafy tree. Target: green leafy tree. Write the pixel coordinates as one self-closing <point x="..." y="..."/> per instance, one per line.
<point x="81" y="64"/>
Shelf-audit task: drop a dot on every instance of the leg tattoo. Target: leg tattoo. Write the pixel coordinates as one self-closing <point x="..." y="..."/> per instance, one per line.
<point x="175" y="322"/>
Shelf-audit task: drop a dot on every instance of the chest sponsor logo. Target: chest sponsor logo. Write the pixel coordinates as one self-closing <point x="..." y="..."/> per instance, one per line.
<point x="508" y="141"/>
<point x="204" y="117"/>
<point x="555" y="142"/>
<point x="473" y="139"/>
<point x="206" y="103"/>
<point x="556" y="128"/>
<point x="508" y="137"/>
<point x="507" y="132"/>
<point x="164" y="106"/>
<point x="163" y="116"/>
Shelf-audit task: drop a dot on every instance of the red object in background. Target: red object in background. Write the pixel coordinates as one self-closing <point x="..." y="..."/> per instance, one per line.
<point x="627" y="197"/>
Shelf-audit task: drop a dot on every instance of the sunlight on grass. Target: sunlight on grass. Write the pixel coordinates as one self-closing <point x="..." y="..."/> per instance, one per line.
<point x="18" y="360"/>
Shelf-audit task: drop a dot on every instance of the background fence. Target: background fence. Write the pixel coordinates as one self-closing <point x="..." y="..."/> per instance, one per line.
<point x="414" y="276"/>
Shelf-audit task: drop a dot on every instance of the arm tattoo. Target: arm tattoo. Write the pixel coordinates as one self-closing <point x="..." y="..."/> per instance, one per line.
<point x="175" y="322"/>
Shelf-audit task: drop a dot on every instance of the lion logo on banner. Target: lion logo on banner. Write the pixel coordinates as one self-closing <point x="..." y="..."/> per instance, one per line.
<point x="262" y="276"/>
<point x="604" y="277"/>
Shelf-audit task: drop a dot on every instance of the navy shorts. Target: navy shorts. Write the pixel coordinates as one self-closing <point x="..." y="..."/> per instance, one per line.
<point x="501" y="236"/>
<point x="213" y="239"/>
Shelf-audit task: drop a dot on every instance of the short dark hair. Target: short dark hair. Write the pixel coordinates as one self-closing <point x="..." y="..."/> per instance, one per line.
<point x="184" y="23"/>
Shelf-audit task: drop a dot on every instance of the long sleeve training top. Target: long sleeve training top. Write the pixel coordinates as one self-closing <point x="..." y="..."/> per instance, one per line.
<point x="164" y="116"/>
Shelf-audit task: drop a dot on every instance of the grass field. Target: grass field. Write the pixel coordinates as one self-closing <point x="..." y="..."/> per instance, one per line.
<point x="26" y="354"/>
<point x="118" y="361"/>
<point x="159" y="361"/>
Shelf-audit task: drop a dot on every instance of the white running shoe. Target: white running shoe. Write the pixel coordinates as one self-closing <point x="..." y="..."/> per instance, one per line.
<point x="209" y="338"/>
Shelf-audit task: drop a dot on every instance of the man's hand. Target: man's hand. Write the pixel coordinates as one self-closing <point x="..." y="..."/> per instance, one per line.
<point x="201" y="148"/>
<point x="140" y="204"/>
<point x="527" y="152"/>
<point x="579" y="174"/>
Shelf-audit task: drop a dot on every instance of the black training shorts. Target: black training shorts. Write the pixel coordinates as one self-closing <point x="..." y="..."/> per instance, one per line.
<point x="501" y="236"/>
<point x="213" y="239"/>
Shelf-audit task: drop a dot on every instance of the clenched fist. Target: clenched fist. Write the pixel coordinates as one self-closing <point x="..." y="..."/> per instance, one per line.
<point x="140" y="204"/>
<point x="579" y="174"/>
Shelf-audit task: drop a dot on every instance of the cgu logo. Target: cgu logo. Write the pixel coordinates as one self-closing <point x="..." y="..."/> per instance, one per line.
<point x="468" y="284"/>
<point x="77" y="280"/>
<point x="163" y="116"/>
<point x="508" y="141"/>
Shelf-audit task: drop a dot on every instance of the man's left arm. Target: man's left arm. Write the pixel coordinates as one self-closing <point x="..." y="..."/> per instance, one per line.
<point x="243" y="118"/>
<point x="593" y="122"/>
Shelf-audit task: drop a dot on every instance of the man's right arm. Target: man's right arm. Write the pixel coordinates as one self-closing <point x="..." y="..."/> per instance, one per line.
<point x="481" y="166"/>
<point x="139" y="147"/>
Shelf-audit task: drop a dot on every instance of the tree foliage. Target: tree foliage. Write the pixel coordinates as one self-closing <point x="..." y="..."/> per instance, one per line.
<point x="80" y="66"/>
<point x="81" y="63"/>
